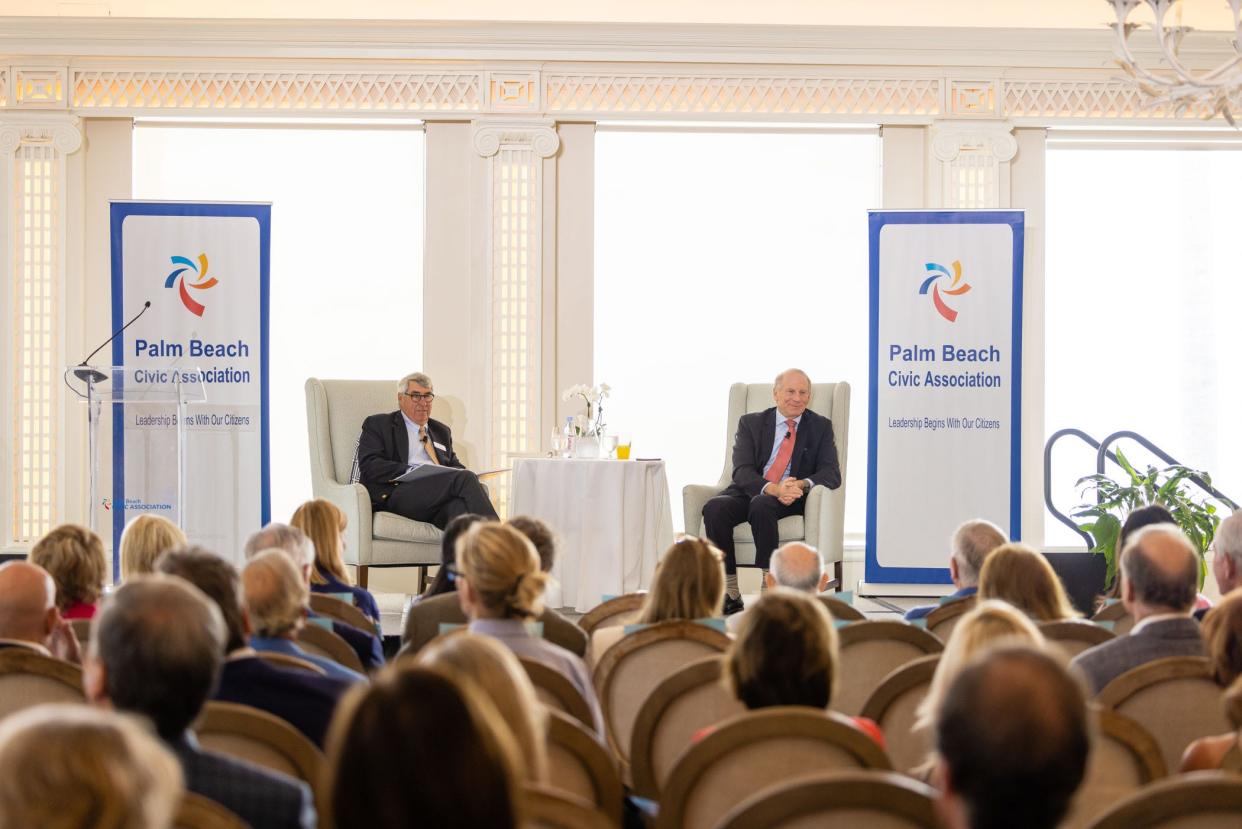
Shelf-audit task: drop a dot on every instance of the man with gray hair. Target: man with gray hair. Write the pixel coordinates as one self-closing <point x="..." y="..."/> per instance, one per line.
<point x="795" y="566"/>
<point x="1159" y="580"/>
<point x="1227" y="554"/>
<point x="971" y="543"/>
<point x="156" y="649"/>
<point x="407" y="463"/>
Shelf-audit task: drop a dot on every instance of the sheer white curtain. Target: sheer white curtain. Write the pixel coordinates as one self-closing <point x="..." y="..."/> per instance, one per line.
<point x="723" y="257"/>
<point x="347" y="242"/>
<point x="1142" y="304"/>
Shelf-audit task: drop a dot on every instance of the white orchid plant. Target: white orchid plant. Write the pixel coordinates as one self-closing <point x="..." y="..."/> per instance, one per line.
<point x="590" y="424"/>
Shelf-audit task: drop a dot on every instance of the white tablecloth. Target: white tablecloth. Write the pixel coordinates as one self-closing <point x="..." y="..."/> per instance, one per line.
<point x="613" y="519"/>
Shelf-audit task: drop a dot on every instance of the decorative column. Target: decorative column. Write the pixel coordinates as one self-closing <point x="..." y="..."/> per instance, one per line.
<point x="971" y="159"/>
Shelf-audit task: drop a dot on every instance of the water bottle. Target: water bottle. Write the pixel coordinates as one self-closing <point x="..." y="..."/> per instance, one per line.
<point x="569" y="437"/>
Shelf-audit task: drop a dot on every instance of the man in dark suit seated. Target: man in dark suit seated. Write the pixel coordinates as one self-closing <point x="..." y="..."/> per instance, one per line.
<point x="778" y="455"/>
<point x="408" y="440"/>
<point x="1159" y="580"/>
<point x="1012" y="737"/>
<point x="28" y="614"/>
<point x="156" y="650"/>
<point x="303" y="699"/>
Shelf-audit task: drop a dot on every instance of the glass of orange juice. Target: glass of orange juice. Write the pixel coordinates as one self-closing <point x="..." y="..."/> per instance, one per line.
<point x="623" y="447"/>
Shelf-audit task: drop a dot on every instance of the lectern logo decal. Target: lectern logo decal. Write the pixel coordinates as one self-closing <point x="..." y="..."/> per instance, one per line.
<point x="941" y="272"/>
<point x="199" y="270"/>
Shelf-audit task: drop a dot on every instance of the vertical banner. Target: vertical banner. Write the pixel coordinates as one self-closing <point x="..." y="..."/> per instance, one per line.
<point x="204" y="269"/>
<point x="946" y="385"/>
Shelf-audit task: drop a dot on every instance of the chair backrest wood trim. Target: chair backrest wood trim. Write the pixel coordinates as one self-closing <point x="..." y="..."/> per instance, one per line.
<point x="573" y="737"/>
<point x="1144" y="676"/>
<point x="284" y="660"/>
<point x="907" y="746"/>
<point x="1118" y="615"/>
<point x="341" y="611"/>
<point x="616" y="606"/>
<point x="861" y="673"/>
<point x="1129" y="733"/>
<point x="841" y="611"/>
<point x="873" y="629"/>
<point x="882" y="791"/>
<point x="556" y="809"/>
<point x="753" y="728"/>
<point x="198" y="812"/>
<point x="606" y="670"/>
<point x="323" y="642"/>
<point x="947" y="615"/>
<point x="898" y="682"/>
<point x="1088" y="634"/>
<point x="557" y="685"/>
<point x="1185" y="795"/>
<point x="18" y="660"/>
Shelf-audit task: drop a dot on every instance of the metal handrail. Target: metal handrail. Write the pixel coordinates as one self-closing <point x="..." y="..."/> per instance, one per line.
<point x="1162" y="455"/>
<point x="1056" y="513"/>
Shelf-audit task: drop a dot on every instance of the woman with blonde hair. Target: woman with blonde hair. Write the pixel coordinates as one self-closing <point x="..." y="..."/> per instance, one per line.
<point x="323" y="522"/>
<point x="76" y="767"/>
<point x="75" y="558"/>
<point x="1017" y="574"/>
<point x="144" y="539"/>
<point x="500" y="587"/>
<point x="493" y="667"/>
<point x="688" y="584"/>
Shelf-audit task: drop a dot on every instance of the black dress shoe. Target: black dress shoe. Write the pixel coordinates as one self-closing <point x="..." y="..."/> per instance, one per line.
<point x="732" y="605"/>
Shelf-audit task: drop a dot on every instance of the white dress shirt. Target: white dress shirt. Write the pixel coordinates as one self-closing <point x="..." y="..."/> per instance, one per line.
<point x="418" y="452"/>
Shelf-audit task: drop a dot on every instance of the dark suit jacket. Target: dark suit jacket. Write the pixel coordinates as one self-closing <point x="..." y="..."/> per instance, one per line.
<point x="262" y="798"/>
<point x="304" y="700"/>
<point x="422" y="624"/>
<point x="1167" y="637"/>
<point x="384" y="452"/>
<point x="814" y="455"/>
<point x="367" y="645"/>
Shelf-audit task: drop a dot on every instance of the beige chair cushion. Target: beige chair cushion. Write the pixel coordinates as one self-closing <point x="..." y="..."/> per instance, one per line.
<point x="686" y="716"/>
<point x="866" y="661"/>
<point x="393" y="527"/>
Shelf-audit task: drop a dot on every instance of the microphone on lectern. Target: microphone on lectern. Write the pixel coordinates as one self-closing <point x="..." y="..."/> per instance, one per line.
<point x="86" y="373"/>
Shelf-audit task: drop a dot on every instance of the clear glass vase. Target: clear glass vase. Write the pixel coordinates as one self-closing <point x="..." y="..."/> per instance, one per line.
<point x="586" y="446"/>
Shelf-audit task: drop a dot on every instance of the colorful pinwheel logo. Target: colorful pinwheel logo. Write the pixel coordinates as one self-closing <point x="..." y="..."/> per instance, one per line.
<point x="939" y="271"/>
<point x="200" y="271"/>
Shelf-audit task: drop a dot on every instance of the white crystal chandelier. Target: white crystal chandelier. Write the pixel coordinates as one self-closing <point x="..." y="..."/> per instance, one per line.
<point x="1214" y="91"/>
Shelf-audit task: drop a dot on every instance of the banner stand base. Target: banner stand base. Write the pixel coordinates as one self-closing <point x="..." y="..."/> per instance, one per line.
<point x="928" y="591"/>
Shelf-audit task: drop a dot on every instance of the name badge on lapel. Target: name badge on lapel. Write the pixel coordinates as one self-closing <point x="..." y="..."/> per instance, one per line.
<point x="439" y="446"/>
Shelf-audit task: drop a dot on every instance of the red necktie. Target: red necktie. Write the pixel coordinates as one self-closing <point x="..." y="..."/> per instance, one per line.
<point x="777" y="469"/>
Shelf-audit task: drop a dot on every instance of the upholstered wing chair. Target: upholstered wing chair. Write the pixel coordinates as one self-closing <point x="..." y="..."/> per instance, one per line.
<point x="823" y="525"/>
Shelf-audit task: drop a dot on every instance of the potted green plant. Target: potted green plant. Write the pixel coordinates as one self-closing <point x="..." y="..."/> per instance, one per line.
<point x="1171" y="487"/>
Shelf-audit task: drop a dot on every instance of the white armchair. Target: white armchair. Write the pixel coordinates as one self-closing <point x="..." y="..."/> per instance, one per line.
<point x="823" y="525"/>
<point x="335" y="410"/>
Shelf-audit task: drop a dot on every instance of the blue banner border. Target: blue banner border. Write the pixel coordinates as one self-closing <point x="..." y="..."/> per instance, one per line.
<point x="876" y="219"/>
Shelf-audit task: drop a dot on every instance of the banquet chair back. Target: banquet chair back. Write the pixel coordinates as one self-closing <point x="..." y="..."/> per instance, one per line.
<point x="28" y="679"/>
<point x="894" y="704"/>
<point x="81" y="629"/>
<point x="685" y="703"/>
<point x="549" y="808"/>
<point x="1117" y="615"/>
<point x="323" y="642"/>
<point x="619" y="610"/>
<point x="1199" y="800"/>
<point x="197" y="812"/>
<point x="1075" y="637"/>
<point x="284" y="660"/>
<point x="579" y="764"/>
<point x="874" y="799"/>
<point x="942" y="620"/>
<point x="840" y="611"/>
<point x="872" y="650"/>
<point x="631" y="669"/>
<point x="556" y="691"/>
<point x="758" y="749"/>
<point x="341" y="611"/>
<point x="1124" y="758"/>
<point x="259" y="737"/>
<point x="1175" y="699"/>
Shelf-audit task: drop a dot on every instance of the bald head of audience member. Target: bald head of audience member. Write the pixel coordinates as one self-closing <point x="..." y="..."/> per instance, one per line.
<point x="296" y="544"/>
<point x="156" y="650"/>
<point x="1159" y="572"/>
<point x="799" y="567"/>
<point x="1227" y="553"/>
<point x="276" y="596"/>
<point x="27" y="603"/>
<point x="1012" y="736"/>
<point x="972" y="541"/>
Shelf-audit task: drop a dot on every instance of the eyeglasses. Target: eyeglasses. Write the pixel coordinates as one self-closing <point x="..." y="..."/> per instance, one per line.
<point x="413" y="395"/>
<point x="453" y="574"/>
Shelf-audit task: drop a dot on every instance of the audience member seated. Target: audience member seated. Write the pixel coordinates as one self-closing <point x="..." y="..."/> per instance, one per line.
<point x="75" y="557"/>
<point x="1227" y="556"/>
<point x="688" y="583"/>
<point x="786" y="653"/>
<point x="1222" y="635"/>
<point x="1017" y="574"/>
<point x="427" y="614"/>
<point x="417" y="748"/>
<point x="987" y="625"/>
<point x="300" y="550"/>
<point x="144" y="539"/>
<point x="74" y="767"/>
<point x="500" y="587"/>
<point x="1136" y="520"/>
<point x="493" y="667"/>
<point x="155" y="650"/>
<point x="443" y="581"/>
<point x="797" y="566"/>
<point x="1159" y="576"/>
<point x="304" y="700"/>
<point x="1208" y="753"/>
<point x="971" y="544"/>
<point x="276" y="599"/>
<point x="29" y="617"/>
<point x="1013" y="735"/>
<point x="323" y="522"/>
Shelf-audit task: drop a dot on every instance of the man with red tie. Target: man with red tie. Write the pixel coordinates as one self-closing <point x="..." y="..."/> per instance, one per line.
<point x="778" y="455"/>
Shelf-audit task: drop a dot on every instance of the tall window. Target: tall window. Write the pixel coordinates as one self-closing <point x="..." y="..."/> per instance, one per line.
<point x="725" y="257"/>
<point x="347" y="242"/>
<point x="1143" y="290"/>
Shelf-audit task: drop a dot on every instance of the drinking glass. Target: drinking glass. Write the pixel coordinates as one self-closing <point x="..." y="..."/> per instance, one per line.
<point x="623" y="447"/>
<point x="607" y="445"/>
<point x="557" y="443"/>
